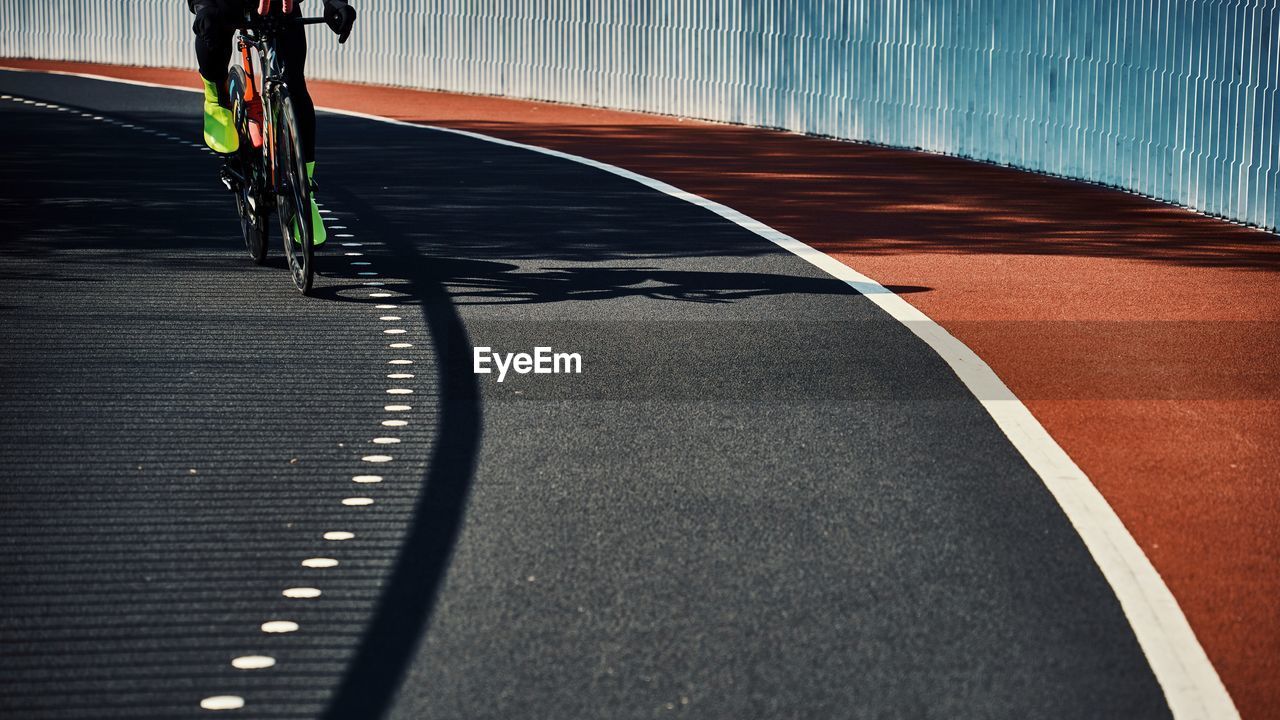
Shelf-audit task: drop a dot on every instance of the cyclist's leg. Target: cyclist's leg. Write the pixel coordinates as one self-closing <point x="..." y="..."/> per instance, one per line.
<point x="213" y="53"/>
<point x="292" y="46"/>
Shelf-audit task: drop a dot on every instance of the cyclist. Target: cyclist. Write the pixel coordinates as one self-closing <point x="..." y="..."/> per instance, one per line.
<point x="214" y="26"/>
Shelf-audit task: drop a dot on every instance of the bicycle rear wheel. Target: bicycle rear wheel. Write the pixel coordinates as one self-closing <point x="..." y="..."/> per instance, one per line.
<point x="251" y="204"/>
<point x="293" y="194"/>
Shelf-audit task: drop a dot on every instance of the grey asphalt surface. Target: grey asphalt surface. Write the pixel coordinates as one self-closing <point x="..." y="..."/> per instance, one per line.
<point x="760" y="498"/>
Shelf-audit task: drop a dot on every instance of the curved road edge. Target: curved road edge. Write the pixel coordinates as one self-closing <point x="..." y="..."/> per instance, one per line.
<point x="1187" y="677"/>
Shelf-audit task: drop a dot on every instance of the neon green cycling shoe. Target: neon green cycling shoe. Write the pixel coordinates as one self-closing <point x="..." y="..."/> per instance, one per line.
<point x="219" y="127"/>
<point x="318" y="233"/>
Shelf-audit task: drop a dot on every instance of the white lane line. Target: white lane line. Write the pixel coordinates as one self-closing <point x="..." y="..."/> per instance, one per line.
<point x="399" y="362"/>
<point x="389" y="318"/>
<point x="319" y="562"/>
<point x="1190" y="683"/>
<point x="397" y="408"/>
<point x="394" y="331"/>
<point x="279" y="626"/>
<point x="366" y="479"/>
<point x="253" y="662"/>
<point x="400" y="345"/>
<point x="222" y="702"/>
<point x="339" y="535"/>
<point x="394" y="423"/>
<point x="357" y="501"/>
<point x="377" y="458"/>
<point x="301" y="592"/>
<point x="399" y="376"/>
<point x="399" y="391"/>
<point x="386" y="441"/>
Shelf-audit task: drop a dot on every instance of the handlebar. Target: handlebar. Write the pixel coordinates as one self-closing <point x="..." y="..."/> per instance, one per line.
<point x="274" y="21"/>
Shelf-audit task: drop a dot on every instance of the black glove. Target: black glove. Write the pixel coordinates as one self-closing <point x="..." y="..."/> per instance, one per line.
<point x="339" y="16"/>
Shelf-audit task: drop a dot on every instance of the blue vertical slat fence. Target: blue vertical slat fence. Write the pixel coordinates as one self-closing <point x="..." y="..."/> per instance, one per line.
<point x="1176" y="99"/>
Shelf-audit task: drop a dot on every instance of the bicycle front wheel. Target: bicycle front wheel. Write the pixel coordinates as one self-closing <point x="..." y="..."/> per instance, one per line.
<point x="293" y="194"/>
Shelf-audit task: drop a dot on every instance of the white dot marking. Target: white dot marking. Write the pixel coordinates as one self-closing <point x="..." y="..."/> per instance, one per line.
<point x="279" y="626"/>
<point x="338" y="535"/>
<point x="222" y="702"/>
<point x="301" y="592"/>
<point x="397" y="408"/>
<point x="394" y="423"/>
<point x="319" y="563"/>
<point x="253" y="662"/>
<point x="376" y="458"/>
<point x="357" y="501"/>
<point x="399" y="391"/>
<point x="367" y="478"/>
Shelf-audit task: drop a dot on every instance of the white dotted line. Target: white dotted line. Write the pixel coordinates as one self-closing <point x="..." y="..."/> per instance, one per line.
<point x="364" y="268"/>
<point x="279" y="626"/>
<point x="271" y="627"/>
<point x="109" y="121"/>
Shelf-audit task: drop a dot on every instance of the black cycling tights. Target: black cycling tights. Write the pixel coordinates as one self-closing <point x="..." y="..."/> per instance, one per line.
<point x="213" y="53"/>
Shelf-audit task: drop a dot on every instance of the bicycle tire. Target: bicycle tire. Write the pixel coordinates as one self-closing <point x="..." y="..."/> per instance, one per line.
<point x="250" y="207"/>
<point x="293" y="194"/>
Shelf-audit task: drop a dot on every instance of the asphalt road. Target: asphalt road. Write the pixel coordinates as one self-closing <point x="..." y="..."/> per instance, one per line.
<point x="761" y="497"/>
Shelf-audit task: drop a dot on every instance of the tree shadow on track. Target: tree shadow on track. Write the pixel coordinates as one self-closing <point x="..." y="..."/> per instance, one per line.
<point x="494" y="283"/>
<point x="871" y="200"/>
<point x="409" y="596"/>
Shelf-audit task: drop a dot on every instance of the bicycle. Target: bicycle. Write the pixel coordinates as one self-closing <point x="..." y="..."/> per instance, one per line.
<point x="268" y="172"/>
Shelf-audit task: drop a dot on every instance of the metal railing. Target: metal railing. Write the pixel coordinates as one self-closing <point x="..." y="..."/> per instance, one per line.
<point x="1176" y="99"/>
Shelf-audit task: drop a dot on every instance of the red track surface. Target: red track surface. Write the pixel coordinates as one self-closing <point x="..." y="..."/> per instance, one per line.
<point x="1143" y="337"/>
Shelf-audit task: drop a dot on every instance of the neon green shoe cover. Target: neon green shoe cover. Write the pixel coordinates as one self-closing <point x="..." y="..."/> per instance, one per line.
<point x="219" y="127"/>
<point x="318" y="234"/>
